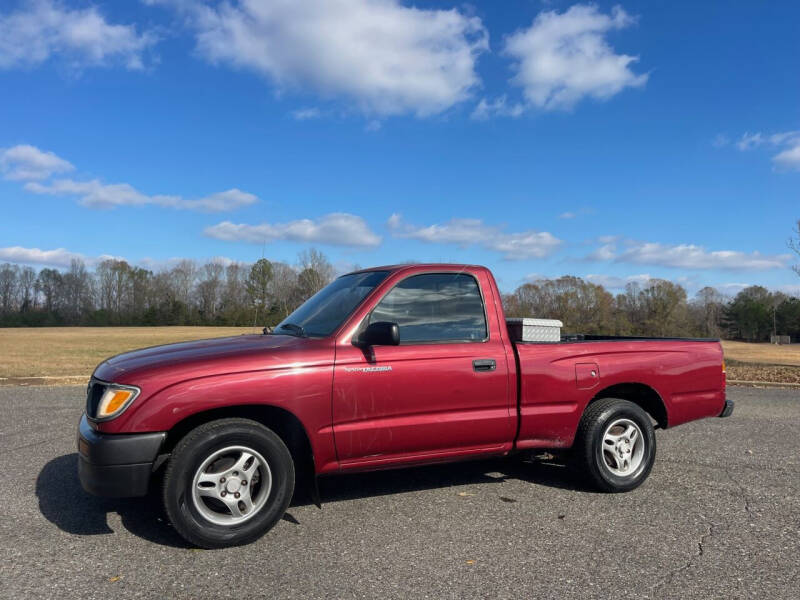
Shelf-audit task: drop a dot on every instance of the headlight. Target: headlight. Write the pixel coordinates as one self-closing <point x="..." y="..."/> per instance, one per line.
<point x="109" y="400"/>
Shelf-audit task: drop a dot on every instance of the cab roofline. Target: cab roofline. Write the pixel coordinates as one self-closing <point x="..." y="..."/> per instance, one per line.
<point x="420" y="266"/>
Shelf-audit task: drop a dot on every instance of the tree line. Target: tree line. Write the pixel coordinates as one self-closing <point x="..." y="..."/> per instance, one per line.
<point x="263" y="293"/>
<point x="658" y="308"/>
<point x="187" y="293"/>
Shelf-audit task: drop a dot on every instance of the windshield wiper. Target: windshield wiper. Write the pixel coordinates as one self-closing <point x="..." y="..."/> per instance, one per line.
<point x="297" y="329"/>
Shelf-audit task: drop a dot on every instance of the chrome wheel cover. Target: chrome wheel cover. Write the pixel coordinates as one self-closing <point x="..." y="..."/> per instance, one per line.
<point x="231" y="486"/>
<point x="623" y="447"/>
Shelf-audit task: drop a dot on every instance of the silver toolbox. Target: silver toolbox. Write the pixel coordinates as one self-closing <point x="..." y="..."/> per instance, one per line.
<point x="534" y="330"/>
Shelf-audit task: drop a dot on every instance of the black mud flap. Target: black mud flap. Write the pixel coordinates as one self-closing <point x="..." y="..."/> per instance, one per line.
<point x="728" y="410"/>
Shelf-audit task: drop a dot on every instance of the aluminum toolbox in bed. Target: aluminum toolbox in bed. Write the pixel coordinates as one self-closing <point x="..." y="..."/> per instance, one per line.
<point x="534" y="330"/>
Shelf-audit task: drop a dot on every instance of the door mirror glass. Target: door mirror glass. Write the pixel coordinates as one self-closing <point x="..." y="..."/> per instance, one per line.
<point x="382" y="333"/>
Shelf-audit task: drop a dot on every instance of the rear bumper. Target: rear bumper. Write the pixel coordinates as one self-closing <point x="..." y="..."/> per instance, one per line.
<point x="727" y="411"/>
<point x="116" y="465"/>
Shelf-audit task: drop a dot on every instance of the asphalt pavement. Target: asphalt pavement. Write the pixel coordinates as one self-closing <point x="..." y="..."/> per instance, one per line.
<point x="719" y="517"/>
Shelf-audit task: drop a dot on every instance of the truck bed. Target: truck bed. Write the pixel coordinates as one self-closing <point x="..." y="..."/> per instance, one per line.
<point x="557" y="381"/>
<point x="590" y="337"/>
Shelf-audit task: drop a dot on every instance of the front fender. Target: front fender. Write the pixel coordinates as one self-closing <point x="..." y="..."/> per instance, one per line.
<point x="304" y="392"/>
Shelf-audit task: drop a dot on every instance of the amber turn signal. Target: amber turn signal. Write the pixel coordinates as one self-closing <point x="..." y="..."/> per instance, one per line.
<point x="113" y="401"/>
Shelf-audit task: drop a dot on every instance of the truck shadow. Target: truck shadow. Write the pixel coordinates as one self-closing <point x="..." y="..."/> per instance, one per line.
<point x="478" y="472"/>
<point x="63" y="502"/>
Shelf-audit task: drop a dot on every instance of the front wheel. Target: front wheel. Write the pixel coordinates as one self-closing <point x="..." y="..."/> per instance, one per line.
<point x="615" y="444"/>
<point x="227" y="483"/>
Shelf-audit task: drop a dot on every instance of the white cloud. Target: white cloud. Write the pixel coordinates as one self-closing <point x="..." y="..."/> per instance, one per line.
<point x="612" y="282"/>
<point x="572" y="214"/>
<point x="731" y="288"/>
<point x="95" y="194"/>
<point x="750" y="140"/>
<point x="791" y="289"/>
<point x="499" y="107"/>
<point x="604" y="252"/>
<point x="384" y="57"/>
<point x="563" y="58"/>
<point x="338" y="229"/>
<point x="26" y="163"/>
<point x="469" y="232"/>
<point x="789" y="158"/>
<point x="42" y="29"/>
<point x="528" y="244"/>
<point x="689" y="256"/>
<point x="720" y="140"/>
<point x="304" y="114"/>
<point x="608" y="239"/>
<point x="786" y="159"/>
<point x="165" y="264"/>
<point x="60" y="257"/>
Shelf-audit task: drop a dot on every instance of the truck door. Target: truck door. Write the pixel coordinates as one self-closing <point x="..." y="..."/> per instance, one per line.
<point x="443" y="391"/>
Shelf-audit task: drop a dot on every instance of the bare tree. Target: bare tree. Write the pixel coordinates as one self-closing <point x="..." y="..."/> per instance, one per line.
<point x="26" y="289"/>
<point x="794" y="245"/>
<point x="105" y="287"/>
<point x="183" y="277"/>
<point x="210" y="288"/>
<point x="706" y="312"/>
<point x="77" y="290"/>
<point x="9" y="281"/>
<point x="283" y="288"/>
<point x="315" y="272"/>
<point x="665" y="309"/>
<point x="49" y="284"/>
<point x="581" y="305"/>
<point x="234" y="294"/>
<point x="162" y="290"/>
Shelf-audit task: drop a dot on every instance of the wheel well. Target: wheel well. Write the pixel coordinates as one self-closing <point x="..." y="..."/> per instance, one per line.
<point x="638" y="393"/>
<point x="282" y="422"/>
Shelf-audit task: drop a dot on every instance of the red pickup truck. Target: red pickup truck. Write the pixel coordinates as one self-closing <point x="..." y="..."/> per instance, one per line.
<point x="385" y="367"/>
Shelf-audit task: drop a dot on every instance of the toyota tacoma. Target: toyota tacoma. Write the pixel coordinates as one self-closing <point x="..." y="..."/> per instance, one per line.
<point x="385" y="367"/>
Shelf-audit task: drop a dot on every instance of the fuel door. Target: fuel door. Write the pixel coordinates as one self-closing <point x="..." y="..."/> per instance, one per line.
<point x="587" y="375"/>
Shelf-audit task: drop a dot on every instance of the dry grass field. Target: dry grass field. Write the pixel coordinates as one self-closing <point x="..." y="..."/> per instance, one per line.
<point x="70" y="354"/>
<point x="762" y="362"/>
<point x="54" y="355"/>
<point x="771" y="354"/>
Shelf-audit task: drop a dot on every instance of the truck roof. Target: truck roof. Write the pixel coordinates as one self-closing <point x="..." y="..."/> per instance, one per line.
<point x="422" y="267"/>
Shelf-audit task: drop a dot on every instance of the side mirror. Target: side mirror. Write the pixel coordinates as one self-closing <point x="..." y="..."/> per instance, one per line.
<point x="382" y="333"/>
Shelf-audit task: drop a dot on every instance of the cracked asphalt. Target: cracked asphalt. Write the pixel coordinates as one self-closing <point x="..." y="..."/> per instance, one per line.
<point x="718" y="518"/>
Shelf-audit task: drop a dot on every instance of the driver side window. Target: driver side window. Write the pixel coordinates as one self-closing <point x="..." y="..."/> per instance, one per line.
<point x="435" y="307"/>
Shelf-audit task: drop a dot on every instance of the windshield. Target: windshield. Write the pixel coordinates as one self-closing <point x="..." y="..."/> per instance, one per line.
<point x="320" y="315"/>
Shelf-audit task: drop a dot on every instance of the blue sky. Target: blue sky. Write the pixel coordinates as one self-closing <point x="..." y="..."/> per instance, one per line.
<point x="609" y="141"/>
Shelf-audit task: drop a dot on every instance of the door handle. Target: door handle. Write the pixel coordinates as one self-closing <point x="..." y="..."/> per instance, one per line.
<point x="484" y="364"/>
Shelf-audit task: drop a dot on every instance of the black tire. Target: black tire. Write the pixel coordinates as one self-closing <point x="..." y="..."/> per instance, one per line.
<point x="596" y="459"/>
<point x="189" y="455"/>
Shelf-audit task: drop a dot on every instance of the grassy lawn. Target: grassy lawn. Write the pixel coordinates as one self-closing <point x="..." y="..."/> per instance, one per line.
<point x="762" y="362"/>
<point x="771" y="354"/>
<point x="69" y="354"/>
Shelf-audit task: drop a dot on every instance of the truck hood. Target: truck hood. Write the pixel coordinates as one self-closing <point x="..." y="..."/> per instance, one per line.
<point x="160" y="366"/>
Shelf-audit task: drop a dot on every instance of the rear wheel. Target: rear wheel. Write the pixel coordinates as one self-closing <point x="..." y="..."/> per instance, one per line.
<point x="227" y="483"/>
<point x="615" y="444"/>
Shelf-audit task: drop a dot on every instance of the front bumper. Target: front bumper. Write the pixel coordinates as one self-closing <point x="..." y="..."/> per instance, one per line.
<point x="116" y="465"/>
<point x="727" y="411"/>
